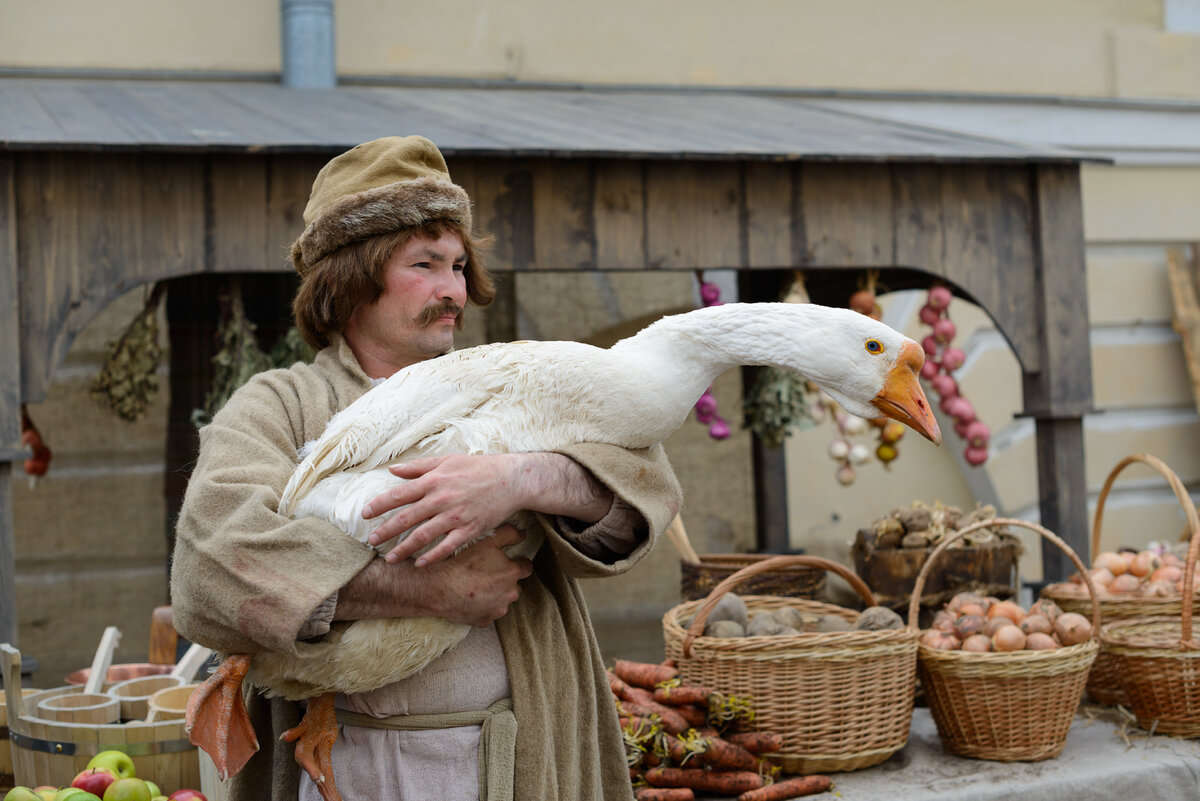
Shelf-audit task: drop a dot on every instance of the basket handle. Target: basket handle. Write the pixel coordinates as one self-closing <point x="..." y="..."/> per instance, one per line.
<point x="772" y="563"/>
<point x="914" y="605"/>
<point x="1181" y="493"/>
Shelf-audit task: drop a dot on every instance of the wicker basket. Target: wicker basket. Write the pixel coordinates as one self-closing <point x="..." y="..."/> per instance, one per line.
<point x="698" y="579"/>
<point x="841" y="701"/>
<point x="1104" y="685"/>
<point x="1008" y="707"/>
<point x="1159" y="673"/>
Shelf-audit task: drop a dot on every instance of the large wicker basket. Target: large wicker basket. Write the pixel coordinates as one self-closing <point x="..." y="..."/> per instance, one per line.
<point x="1104" y="685"/>
<point x="1159" y="672"/>
<point x="698" y="579"/>
<point x="841" y="701"/>
<point x="1009" y="707"/>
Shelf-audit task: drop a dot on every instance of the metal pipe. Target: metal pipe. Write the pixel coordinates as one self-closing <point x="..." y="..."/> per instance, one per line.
<point x="307" y="44"/>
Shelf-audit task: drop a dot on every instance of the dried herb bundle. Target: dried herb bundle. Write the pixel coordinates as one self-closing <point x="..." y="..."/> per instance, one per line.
<point x="128" y="382"/>
<point x="777" y="404"/>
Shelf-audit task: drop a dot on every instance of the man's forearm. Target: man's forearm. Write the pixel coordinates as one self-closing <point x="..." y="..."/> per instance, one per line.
<point x="555" y="484"/>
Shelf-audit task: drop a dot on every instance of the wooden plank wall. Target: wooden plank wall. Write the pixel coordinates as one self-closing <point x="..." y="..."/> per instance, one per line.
<point x="10" y="396"/>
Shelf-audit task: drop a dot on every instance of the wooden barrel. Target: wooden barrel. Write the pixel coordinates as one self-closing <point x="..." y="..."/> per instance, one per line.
<point x="134" y="694"/>
<point x="6" y="766"/>
<point x="53" y="752"/>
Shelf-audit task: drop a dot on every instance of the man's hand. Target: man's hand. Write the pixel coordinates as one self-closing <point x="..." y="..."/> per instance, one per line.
<point x="475" y="588"/>
<point x="461" y="498"/>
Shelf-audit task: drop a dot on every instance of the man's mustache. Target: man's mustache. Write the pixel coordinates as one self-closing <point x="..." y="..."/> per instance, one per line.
<point x="432" y="314"/>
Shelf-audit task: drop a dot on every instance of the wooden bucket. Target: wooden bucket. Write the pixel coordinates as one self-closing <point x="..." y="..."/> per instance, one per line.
<point x="53" y="752"/>
<point x="134" y="694"/>
<point x="6" y="766"/>
<point x="170" y="703"/>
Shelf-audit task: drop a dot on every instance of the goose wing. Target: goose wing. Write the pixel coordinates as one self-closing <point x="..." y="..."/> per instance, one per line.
<point x="387" y="421"/>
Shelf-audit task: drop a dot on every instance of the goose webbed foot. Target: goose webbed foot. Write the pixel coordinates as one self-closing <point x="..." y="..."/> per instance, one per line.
<point x="217" y="720"/>
<point x="314" y="738"/>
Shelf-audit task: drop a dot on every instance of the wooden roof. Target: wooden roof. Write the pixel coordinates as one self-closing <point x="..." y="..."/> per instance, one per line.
<point x="202" y="116"/>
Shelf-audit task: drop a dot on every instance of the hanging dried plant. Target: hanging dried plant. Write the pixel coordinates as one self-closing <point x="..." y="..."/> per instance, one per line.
<point x="778" y="402"/>
<point x="128" y="382"/>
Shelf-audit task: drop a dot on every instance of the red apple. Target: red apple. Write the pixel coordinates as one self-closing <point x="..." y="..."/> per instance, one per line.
<point x="94" y="780"/>
<point x="118" y="762"/>
<point x="187" y="795"/>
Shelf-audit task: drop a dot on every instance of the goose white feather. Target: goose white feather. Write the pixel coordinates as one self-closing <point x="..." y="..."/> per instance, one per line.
<point x="541" y="396"/>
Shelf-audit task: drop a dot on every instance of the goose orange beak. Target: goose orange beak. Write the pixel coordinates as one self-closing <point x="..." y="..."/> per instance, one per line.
<point x="902" y="397"/>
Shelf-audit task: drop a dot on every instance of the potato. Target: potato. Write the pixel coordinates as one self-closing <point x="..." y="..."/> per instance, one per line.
<point x="724" y="629"/>
<point x="877" y="618"/>
<point x="730" y="607"/>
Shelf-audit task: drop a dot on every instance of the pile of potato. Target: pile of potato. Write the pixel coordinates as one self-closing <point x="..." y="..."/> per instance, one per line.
<point x="972" y="622"/>
<point x="920" y="525"/>
<point x="731" y="618"/>
<point x="1146" y="573"/>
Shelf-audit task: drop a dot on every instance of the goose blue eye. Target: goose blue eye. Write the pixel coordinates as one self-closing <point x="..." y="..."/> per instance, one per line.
<point x="874" y="346"/>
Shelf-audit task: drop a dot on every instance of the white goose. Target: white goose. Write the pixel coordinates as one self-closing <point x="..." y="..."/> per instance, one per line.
<point x="542" y="396"/>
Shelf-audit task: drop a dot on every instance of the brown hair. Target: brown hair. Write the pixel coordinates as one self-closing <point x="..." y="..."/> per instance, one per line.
<point x="353" y="275"/>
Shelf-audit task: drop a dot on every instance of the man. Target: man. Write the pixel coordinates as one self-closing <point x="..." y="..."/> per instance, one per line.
<point x="388" y="261"/>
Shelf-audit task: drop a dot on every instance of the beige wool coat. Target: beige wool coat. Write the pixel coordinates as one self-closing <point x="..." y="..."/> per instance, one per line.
<point x="244" y="579"/>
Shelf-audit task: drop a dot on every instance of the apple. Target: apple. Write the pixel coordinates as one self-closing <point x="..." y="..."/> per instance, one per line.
<point x="94" y="780"/>
<point x="74" y="794"/>
<point x="21" y="793"/>
<point x="127" y="789"/>
<point x="118" y="762"/>
<point x="186" y="794"/>
<point x="154" y="791"/>
<point x="46" y="791"/>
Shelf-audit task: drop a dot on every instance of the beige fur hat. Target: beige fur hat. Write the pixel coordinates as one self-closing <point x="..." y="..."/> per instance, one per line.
<point x="375" y="188"/>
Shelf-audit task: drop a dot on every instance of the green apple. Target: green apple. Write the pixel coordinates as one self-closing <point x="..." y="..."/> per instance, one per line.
<point x="127" y="789"/>
<point x="74" y="794"/>
<point x="20" y="793"/>
<point x="160" y="798"/>
<point x="154" y="791"/>
<point x="118" y="762"/>
<point x="46" y="791"/>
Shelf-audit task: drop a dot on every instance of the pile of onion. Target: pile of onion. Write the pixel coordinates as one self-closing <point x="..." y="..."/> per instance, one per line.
<point x="1146" y="574"/>
<point x="941" y="360"/>
<point x="706" y="406"/>
<point x="977" y="623"/>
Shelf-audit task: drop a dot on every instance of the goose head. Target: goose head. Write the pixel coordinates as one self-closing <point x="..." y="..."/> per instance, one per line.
<point x="869" y="368"/>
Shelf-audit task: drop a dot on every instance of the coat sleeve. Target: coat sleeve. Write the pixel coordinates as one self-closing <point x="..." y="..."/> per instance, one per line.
<point x="244" y="578"/>
<point x="641" y="478"/>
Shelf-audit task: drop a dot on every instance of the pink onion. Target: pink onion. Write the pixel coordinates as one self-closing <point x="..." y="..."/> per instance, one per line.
<point x="963" y="411"/>
<point x="978" y="434"/>
<point x="929" y="315"/>
<point x="953" y="358"/>
<point x="976" y="456"/>
<point x="710" y="294"/>
<point x="944" y="385"/>
<point x="930" y="369"/>
<point x="939" y="297"/>
<point x="719" y="429"/>
<point x="930" y="344"/>
<point x="707" y="404"/>
<point x="944" y="330"/>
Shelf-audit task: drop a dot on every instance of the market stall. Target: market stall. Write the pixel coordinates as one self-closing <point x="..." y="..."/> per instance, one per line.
<point x="107" y="185"/>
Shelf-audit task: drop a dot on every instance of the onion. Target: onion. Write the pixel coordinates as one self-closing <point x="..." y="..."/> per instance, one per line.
<point x="1007" y="609"/>
<point x="930" y="345"/>
<point x="863" y="301"/>
<point x="939" y="297"/>
<point x="1125" y="583"/>
<point x="839" y="449"/>
<point x="1072" y="628"/>
<point x="1101" y="577"/>
<point x="939" y="640"/>
<point x="1112" y="561"/>
<point x="944" y="330"/>
<point x="967" y="625"/>
<point x="930" y="369"/>
<point x="995" y="624"/>
<point x="958" y="601"/>
<point x="1046" y="608"/>
<point x="944" y="386"/>
<point x="978" y="643"/>
<point x="953" y="358"/>
<point x="1167" y="573"/>
<point x="978" y="434"/>
<point x="971" y="608"/>
<point x="943" y="621"/>
<point x="1161" y="589"/>
<point x="929" y="315"/>
<point x="975" y="456"/>
<point x="1145" y="563"/>
<point x="1037" y="641"/>
<point x="1036" y="624"/>
<point x="859" y="453"/>
<point x="1008" y="638"/>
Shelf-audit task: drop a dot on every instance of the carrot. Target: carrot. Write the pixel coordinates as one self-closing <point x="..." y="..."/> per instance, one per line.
<point x="679" y="694"/>
<point x="757" y="742"/>
<point x="789" y="788"/>
<point x="721" y="754"/>
<point x="721" y="782"/>
<point x="664" y="794"/>
<point x="640" y="695"/>
<point x="670" y="720"/>
<point x="643" y="674"/>
<point x="618" y="685"/>
<point x="694" y="715"/>
<point x="638" y="723"/>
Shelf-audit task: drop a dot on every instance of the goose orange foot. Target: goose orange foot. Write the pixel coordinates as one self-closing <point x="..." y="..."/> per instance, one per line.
<point x="314" y="738"/>
<point x="217" y="720"/>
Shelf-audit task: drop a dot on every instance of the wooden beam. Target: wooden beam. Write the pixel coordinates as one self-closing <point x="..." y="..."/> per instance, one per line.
<point x="10" y="396"/>
<point x="1059" y="394"/>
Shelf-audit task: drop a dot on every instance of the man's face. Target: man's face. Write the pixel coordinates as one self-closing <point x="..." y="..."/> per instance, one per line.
<point x="425" y="290"/>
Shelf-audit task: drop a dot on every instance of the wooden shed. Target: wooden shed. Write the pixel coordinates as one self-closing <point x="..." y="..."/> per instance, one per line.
<point x="106" y="185"/>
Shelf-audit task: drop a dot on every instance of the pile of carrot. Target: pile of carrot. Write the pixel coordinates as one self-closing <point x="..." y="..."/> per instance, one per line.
<point x="679" y="740"/>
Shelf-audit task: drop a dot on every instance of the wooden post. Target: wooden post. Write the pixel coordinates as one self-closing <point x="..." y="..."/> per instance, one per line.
<point x="1059" y="393"/>
<point x="770" y="464"/>
<point x="10" y="397"/>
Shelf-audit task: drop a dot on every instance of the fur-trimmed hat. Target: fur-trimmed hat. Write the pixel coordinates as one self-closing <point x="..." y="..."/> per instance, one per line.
<point x="376" y="188"/>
